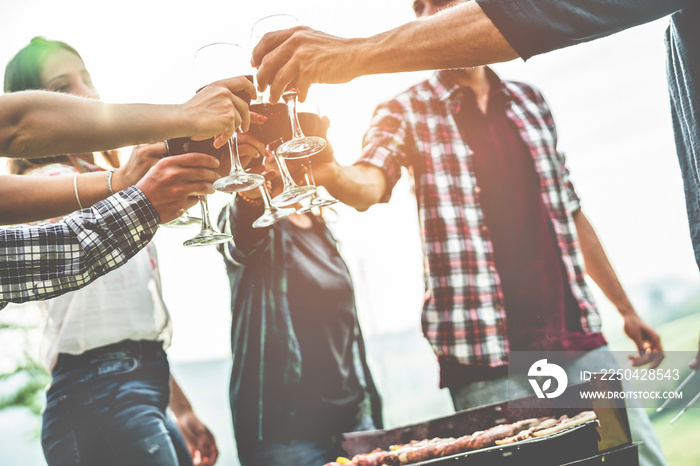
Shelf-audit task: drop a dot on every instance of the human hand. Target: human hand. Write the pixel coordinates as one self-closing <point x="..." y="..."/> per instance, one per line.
<point x="173" y="183"/>
<point x="695" y="363"/>
<point x="299" y="57"/>
<point x="216" y="112"/>
<point x="249" y="148"/>
<point x="647" y="340"/>
<point x="324" y="165"/>
<point x="199" y="439"/>
<point x="141" y="160"/>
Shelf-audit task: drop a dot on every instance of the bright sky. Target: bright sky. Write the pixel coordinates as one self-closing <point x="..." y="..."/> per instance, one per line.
<point x="609" y="99"/>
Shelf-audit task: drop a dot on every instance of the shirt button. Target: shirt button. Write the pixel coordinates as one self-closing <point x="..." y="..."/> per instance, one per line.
<point x="484" y="229"/>
<point x="477" y="190"/>
<point x="492" y="268"/>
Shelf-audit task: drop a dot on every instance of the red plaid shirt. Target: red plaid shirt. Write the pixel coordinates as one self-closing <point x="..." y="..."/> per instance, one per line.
<point x="463" y="316"/>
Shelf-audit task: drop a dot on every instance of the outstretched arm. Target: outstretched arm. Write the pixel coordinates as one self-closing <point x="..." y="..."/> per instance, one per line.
<point x="39" y="123"/>
<point x="455" y="38"/>
<point x="601" y="271"/>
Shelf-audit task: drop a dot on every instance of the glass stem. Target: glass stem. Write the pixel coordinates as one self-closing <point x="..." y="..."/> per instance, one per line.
<point x="290" y="98"/>
<point x="233" y="152"/>
<point x="286" y="177"/>
<point x="206" y="223"/>
<point x="309" y="173"/>
<point x="266" y="198"/>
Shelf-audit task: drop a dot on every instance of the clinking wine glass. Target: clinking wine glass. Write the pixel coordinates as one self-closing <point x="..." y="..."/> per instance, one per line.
<point x="183" y="220"/>
<point x="207" y="234"/>
<point x="319" y="199"/>
<point x="299" y="146"/>
<point x="217" y="61"/>
<point x="291" y="192"/>
<point x="271" y="214"/>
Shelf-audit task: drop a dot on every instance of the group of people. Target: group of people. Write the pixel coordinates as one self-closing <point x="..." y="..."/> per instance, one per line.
<point x="506" y="243"/>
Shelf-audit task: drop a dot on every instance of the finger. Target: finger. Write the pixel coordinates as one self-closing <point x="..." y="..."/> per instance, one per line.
<point x="220" y="140"/>
<point x="257" y="146"/>
<point x="240" y="83"/>
<point x="199" y="189"/>
<point x="286" y="73"/>
<point x="243" y="111"/>
<point x="268" y="43"/>
<point x="194" y="159"/>
<point x="257" y="118"/>
<point x="657" y="359"/>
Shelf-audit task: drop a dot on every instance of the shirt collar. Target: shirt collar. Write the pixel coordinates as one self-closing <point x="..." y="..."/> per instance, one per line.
<point x="449" y="91"/>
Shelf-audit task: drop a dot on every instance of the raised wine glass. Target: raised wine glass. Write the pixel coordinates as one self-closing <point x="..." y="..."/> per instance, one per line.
<point x="299" y="146"/>
<point x="291" y="192"/>
<point x="271" y="214"/>
<point x="183" y="220"/>
<point x="222" y="60"/>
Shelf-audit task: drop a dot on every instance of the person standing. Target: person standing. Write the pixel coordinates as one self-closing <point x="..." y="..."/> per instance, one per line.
<point x="300" y="377"/>
<point x="104" y="344"/>
<point x="506" y="243"/>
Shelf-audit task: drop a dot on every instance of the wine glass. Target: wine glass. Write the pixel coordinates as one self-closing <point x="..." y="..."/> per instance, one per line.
<point x="299" y="146"/>
<point x="222" y="60"/>
<point x="207" y="235"/>
<point x="183" y="220"/>
<point x="319" y="199"/>
<point x="291" y="192"/>
<point x="271" y="214"/>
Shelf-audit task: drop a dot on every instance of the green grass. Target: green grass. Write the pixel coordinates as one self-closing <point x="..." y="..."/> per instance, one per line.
<point x="679" y="440"/>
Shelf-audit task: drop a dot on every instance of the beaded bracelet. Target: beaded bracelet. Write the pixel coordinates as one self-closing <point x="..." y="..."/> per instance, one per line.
<point x="250" y="201"/>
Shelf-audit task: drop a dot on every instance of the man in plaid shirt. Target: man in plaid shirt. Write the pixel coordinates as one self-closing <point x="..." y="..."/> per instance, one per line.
<point x="504" y="236"/>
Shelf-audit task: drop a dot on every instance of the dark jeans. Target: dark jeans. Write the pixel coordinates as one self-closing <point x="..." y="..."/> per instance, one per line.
<point x="296" y="452"/>
<point x="107" y="407"/>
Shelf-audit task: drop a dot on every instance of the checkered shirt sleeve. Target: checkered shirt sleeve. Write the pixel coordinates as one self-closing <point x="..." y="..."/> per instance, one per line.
<point x="44" y="261"/>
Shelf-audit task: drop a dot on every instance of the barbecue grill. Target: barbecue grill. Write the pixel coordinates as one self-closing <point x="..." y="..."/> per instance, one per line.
<point x="606" y="440"/>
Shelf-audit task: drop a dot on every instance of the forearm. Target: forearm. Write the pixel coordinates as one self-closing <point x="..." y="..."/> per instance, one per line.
<point x="45" y="261"/>
<point x="39" y="123"/>
<point x="459" y="37"/>
<point x="179" y="404"/>
<point x="598" y="265"/>
<point x="359" y="186"/>
<point x="26" y="199"/>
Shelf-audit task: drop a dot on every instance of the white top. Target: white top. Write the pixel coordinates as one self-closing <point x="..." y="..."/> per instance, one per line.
<point x="125" y="304"/>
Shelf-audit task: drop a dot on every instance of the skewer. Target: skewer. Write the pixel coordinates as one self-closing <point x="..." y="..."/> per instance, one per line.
<point x="690" y="403"/>
<point x="677" y="390"/>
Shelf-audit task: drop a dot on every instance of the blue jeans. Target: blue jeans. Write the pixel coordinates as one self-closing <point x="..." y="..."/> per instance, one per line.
<point x="107" y="407"/>
<point x="494" y="391"/>
<point x="296" y="452"/>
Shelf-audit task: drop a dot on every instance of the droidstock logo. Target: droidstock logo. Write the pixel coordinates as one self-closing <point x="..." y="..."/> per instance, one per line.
<point x="541" y="369"/>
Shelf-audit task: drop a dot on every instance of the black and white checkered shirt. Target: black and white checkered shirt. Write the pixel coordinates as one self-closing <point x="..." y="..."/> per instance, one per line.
<point x="44" y="261"/>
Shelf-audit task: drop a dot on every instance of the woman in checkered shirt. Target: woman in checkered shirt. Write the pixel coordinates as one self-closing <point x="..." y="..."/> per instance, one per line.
<point x="104" y="344"/>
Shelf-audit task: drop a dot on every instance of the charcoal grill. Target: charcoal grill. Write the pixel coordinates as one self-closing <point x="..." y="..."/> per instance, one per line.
<point x="606" y="440"/>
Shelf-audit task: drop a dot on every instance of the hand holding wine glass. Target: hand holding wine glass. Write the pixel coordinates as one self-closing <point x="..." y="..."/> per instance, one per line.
<point x="216" y="61"/>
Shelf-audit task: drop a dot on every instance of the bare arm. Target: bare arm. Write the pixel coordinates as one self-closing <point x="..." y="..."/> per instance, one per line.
<point x="601" y="271"/>
<point x="28" y="199"/>
<point x="199" y="439"/>
<point x="459" y="37"/>
<point x="38" y="123"/>
<point x="359" y="186"/>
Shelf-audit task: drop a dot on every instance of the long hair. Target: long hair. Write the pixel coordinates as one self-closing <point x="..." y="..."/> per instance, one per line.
<point x="23" y="73"/>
